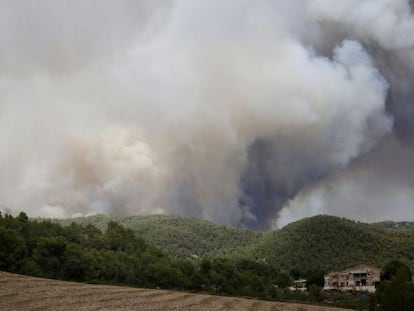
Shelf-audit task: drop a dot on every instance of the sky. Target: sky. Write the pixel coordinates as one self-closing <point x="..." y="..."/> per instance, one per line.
<point x="248" y="113"/>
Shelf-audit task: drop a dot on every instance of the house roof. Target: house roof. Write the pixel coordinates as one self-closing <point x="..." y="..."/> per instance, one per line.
<point x="355" y="270"/>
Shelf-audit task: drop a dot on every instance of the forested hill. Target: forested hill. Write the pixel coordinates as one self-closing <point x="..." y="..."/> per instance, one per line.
<point x="320" y="242"/>
<point x="331" y="243"/>
<point x="180" y="236"/>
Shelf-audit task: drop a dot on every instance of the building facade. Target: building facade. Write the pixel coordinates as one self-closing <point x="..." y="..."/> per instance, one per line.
<point x="360" y="278"/>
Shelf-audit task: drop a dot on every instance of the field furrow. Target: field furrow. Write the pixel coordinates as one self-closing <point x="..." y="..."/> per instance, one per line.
<point x="20" y="293"/>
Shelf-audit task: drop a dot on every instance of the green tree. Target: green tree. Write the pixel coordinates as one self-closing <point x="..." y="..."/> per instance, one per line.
<point x="164" y="275"/>
<point x="396" y="290"/>
<point x="49" y="255"/>
<point x="315" y="293"/>
<point x="22" y="217"/>
<point x="315" y="278"/>
<point x="12" y="249"/>
<point x="394" y="268"/>
<point x="79" y="264"/>
<point x="396" y="294"/>
<point x="282" y="279"/>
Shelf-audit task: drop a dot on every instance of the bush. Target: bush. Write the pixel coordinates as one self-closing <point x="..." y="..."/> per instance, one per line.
<point x="396" y="290"/>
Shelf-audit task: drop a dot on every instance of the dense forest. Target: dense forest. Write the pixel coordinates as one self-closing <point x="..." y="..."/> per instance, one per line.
<point x="181" y="236"/>
<point x="114" y="254"/>
<point x="318" y="243"/>
<point x="119" y="256"/>
<point x="331" y="244"/>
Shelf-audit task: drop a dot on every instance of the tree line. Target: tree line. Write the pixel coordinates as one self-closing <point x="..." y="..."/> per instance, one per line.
<point x="118" y="256"/>
<point x="318" y="243"/>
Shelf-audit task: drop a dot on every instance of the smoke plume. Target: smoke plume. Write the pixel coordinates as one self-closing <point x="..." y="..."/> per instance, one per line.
<point x="248" y="113"/>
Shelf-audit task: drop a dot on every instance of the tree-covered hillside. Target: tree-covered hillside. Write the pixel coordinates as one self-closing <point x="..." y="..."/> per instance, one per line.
<point x="317" y="243"/>
<point x="183" y="236"/>
<point x="331" y="243"/>
<point x="256" y="264"/>
<point x="119" y="256"/>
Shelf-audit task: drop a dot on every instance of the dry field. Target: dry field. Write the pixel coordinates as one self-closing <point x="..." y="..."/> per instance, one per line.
<point x="19" y="292"/>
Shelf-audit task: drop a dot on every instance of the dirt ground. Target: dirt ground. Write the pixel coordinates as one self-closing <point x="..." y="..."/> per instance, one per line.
<point x="19" y="292"/>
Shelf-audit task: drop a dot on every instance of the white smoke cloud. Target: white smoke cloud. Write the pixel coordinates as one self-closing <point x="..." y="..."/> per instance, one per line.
<point x="137" y="107"/>
<point x="363" y="192"/>
<point x="388" y="22"/>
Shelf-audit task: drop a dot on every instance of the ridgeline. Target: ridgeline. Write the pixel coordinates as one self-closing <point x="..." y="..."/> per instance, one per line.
<point x="317" y="243"/>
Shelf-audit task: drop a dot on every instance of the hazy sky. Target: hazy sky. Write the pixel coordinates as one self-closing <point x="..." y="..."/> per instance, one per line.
<point x="250" y="113"/>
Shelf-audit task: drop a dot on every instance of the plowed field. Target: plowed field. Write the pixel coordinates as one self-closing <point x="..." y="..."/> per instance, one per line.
<point x="19" y="292"/>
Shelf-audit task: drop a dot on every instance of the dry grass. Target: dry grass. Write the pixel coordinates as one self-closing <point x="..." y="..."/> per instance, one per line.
<point x="19" y="292"/>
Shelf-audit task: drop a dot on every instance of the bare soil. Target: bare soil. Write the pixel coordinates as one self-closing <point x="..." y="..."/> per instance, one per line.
<point x="18" y="292"/>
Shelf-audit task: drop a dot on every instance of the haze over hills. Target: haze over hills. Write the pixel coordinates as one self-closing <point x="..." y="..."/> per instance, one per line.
<point x="316" y="243"/>
<point x="240" y="112"/>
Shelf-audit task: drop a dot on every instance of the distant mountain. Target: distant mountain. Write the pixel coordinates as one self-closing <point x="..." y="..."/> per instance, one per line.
<point x="315" y="243"/>
<point x="395" y="225"/>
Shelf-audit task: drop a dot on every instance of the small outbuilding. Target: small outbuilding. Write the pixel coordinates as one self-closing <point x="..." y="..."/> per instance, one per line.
<point x="299" y="285"/>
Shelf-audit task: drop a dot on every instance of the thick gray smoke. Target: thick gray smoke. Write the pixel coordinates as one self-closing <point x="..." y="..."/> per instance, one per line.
<point x="251" y="113"/>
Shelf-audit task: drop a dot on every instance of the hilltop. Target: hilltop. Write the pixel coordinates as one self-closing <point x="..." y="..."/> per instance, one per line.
<point x="315" y="243"/>
<point x="331" y="243"/>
